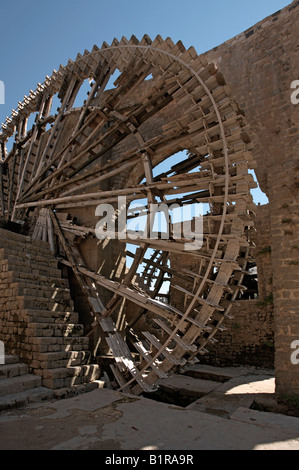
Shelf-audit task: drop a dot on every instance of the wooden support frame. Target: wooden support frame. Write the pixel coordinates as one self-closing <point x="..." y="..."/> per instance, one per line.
<point x="67" y="167"/>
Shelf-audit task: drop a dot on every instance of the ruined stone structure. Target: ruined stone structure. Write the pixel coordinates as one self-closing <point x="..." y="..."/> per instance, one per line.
<point x="166" y="100"/>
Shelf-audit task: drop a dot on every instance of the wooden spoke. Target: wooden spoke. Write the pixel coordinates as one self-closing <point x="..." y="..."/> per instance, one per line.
<point x="167" y="135"/>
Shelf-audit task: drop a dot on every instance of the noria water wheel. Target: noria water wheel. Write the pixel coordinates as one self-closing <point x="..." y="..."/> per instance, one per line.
<point x="165" y="100"/>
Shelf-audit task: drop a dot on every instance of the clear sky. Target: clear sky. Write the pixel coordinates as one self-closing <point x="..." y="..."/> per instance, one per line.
<point x="37" y="35"/>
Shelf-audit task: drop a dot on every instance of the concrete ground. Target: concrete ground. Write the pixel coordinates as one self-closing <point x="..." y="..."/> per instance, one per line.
<point x="219" y="418"/>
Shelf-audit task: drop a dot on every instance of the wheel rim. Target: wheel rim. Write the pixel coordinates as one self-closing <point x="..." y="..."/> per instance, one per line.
<point x="57" y="169"/>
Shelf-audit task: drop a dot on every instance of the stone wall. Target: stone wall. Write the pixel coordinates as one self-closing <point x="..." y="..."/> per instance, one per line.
<point x="37" y="318"/>
<point x="262" y="253"/>
<point x="249" y="335"/>
<point x="259" y="66"/>
<point x="248" y="339"/>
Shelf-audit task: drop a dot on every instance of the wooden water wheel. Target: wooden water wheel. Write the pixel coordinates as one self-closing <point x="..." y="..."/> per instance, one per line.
<point x="165" y="100"/>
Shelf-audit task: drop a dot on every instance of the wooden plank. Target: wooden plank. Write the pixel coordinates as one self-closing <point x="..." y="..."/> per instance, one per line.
<point x="148" y="358"/>
<point x="107" y="324"/>
<point x="176" y="338"/>
<point x="125" y="361"/>
<point x="201" y="300"/>
<point x="164" y="351"/>
<point x="74" y="258"/>
<point x="120" y="379"/>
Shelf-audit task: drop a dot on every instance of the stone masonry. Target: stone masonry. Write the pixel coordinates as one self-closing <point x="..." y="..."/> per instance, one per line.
<point x="259" y="66"/>
<point x="38" y="322"/>
<point x="248" y="336"/>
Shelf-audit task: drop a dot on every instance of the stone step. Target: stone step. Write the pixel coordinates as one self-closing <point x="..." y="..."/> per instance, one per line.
<point x="68" y="392"/>
<point x="62" y="287"/>
<point x="38" y="313"/>
<point x="10" y="359"/>
<point x="205" y="372"/>
<point x="19" y="384"/>
<point x="30" y="278"/>
<point x="30" y="349"/>
<point x="90" y="371"/>
<point x="13" y="370"/>
<point x="184" y="386"/>
<point x="30" y="258"/>
<point x="28" y="302"/>
<point x="60" y="359"/>
<point x="25" y="269"/>
<point x="13" y="235"/>
<point x="10" y="239"/>
<point x="11" y="264"/>
<point x="20" y="399"/>
<point x="70" y="376"/>
<point x="34" y="290"/>
<point x="15" y="249"/>
<point x="43" y="329"/>
<point x="22" y="250"/>
<point x="44" y="293"/>
<point x="41" y="316"/>
<point x="46" y="344"/>
<point x="240" y="391"/>
<point x="219" y="374"/>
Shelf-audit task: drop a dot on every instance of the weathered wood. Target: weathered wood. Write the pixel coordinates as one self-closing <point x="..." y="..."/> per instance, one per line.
<point x="53" y="170"/>
<point x="148" y="358"/>
<point x="125" y="361"/>
<point x="164" y="351"/>
<point x="75" y="258"/>
<point x="177" y="339"/>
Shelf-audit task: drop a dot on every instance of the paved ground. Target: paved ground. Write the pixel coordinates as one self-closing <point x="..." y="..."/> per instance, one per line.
<point x="108" y="420"/>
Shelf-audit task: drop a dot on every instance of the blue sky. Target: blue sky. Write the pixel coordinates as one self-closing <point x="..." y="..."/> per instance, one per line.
<point x="37" y="36"/>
